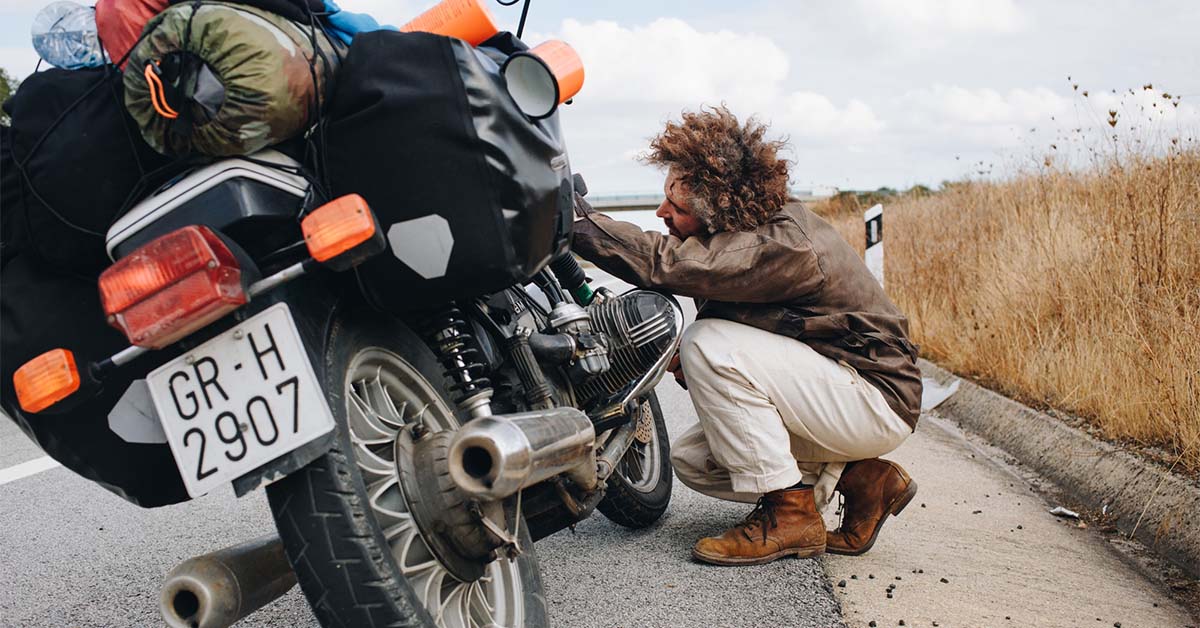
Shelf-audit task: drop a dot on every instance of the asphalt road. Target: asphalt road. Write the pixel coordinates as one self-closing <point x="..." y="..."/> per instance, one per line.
<point x="72" y="554"/>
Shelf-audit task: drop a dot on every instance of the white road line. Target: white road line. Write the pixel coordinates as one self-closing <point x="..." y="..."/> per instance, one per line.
<point x="26" y="469"/>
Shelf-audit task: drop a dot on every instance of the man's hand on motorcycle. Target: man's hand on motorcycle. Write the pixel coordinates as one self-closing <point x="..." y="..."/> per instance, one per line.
<point x="582" y="207"/>
<point x="677" y="370"/>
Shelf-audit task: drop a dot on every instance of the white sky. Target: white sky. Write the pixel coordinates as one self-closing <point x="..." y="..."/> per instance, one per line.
<point x="869" y="92"/>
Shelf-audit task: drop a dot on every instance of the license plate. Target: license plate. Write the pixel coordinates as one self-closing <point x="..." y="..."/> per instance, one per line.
<point x="239" y="401"/>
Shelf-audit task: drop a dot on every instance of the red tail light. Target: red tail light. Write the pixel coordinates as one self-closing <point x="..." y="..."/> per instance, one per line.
<point x="171" y="287"/>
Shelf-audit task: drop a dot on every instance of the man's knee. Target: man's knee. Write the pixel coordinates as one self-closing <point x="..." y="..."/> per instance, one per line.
<point x="680" y="462"/>
<point x="700" y="339"/>
<point x="689" y="450"/>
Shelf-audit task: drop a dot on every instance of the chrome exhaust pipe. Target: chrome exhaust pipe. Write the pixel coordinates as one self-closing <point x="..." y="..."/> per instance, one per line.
<point x="218" y="589"/>
<point x="493" y="457"/>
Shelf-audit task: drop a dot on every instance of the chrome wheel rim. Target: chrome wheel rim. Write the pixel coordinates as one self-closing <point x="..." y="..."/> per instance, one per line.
<point x="383" y="395"/>
<point x="640" y="466"/>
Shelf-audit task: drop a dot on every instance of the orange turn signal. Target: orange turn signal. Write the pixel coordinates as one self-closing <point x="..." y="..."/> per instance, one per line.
<point x="46" y="380"/>
<point x="339" y="226"/>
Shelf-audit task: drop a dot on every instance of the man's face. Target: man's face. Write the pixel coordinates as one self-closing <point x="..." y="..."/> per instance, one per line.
<point x="675" y="210"/>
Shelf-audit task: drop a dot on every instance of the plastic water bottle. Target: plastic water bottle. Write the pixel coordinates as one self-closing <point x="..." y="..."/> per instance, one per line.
<point x="64" y="35"/>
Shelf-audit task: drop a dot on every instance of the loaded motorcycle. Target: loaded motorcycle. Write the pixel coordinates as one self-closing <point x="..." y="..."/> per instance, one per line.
<point x="423" y="393"/>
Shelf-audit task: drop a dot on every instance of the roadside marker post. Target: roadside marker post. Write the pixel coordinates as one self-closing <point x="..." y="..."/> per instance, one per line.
<point x="873" y="219"/>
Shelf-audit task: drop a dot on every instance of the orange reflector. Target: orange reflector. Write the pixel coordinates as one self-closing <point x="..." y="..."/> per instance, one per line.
<point x="337" y="227"/>
<point x="46" y="380"/>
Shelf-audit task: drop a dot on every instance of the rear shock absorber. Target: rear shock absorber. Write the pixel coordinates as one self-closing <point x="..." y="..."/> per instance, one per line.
<point x="460" y="356"/>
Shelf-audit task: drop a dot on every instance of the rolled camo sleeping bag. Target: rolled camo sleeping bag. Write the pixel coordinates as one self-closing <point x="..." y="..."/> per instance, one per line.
<point x="225" y="79"/>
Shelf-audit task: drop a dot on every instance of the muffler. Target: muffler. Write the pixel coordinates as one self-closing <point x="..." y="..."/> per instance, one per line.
<point x="494" y="457"/>
<point x="218" y="589"/>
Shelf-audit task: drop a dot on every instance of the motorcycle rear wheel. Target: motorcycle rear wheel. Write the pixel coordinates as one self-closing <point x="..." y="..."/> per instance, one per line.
<point x="347" y="526"/>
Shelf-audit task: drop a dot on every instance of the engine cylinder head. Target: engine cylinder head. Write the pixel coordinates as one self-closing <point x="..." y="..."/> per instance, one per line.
<point x="641" y="326"/>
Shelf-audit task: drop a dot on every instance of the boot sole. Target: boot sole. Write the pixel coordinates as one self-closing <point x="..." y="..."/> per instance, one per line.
<point x="798" y="552"/>
<point x="894" y="509"/>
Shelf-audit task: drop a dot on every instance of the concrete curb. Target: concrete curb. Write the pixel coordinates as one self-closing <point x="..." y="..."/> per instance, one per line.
<point x="1091" y="470"/>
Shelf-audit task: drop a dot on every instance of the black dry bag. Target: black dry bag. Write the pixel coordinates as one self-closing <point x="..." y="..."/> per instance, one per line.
<point x="79" y="161"/>
<point x="472" y="195"/>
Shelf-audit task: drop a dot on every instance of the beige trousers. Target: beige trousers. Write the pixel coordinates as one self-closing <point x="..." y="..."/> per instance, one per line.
<point x="774" y="412"/>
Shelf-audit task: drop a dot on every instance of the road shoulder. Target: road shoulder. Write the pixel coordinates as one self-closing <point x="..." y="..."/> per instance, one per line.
<point x="978" y="547"/>
<point x="1140" y="498"/>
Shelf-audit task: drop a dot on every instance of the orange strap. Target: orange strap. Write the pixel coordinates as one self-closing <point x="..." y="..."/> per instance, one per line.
<point x="158" y="94"/>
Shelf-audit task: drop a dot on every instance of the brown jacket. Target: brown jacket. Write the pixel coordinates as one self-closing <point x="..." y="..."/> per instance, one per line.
<point x="794" y="276"/>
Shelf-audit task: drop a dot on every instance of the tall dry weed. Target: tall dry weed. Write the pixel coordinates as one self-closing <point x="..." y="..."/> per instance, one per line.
<point x="1073" y="289"/>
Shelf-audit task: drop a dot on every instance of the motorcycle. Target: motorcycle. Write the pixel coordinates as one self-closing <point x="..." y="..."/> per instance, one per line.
<point x="410" y="460"/>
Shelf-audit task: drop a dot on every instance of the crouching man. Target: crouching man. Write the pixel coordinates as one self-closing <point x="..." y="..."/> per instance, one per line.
<point x="798" y="364"/>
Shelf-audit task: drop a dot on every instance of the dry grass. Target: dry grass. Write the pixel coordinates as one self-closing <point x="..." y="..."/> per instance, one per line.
<point x="1077" y="290"/>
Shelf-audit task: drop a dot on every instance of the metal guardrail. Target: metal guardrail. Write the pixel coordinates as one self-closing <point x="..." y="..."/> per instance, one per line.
<point x="634" y="202"/>
<point x="617" y="202"/>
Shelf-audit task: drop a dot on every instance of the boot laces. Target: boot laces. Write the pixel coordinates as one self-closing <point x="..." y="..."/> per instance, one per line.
<point x="763" y="516"/>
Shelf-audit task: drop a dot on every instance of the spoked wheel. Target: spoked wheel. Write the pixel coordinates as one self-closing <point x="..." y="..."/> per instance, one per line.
<point x="386" y="395"/>
<point x="369" y="545"/>
<point x="639" y="490"/>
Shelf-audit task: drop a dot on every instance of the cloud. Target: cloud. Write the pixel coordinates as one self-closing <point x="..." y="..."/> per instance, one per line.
<point x="811" y="115"/>
<point x="944" y="16"/>
<point x="25" y="6"/>
<point x="982" y="117"/>
<point x="668" y="65"/>
<point x="1144" y="106"/>
<point x="985" y="106"/>
<point x="669" y="61"/>
<point x="394" y="12"/>
<point x="639" y="76"/>
<point x="1027" y="125"/>
<point x="18" y="60"/>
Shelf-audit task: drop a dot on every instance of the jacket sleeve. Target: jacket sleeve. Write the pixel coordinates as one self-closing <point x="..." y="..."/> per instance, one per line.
<point x="747" y="267"/>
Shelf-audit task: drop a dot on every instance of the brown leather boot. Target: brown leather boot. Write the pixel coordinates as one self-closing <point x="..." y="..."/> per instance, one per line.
<point x="873" y="489"/>
<point x="784" y="523"/>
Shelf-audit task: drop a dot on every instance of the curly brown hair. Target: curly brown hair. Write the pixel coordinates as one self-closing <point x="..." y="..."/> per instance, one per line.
<point x="736" y="177"/>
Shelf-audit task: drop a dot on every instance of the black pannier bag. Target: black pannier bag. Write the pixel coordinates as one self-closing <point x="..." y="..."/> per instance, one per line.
<point x="72" y="155"/>
<point x="472" y="195"/>
<point x="42" y="308"/>
<point x="78" y="159"/>
<point x="12" y="209"/>
<point x="82" y="155"/>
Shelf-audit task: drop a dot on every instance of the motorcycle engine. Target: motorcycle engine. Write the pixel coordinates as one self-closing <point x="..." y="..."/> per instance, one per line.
<point x="641" y="327"/>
